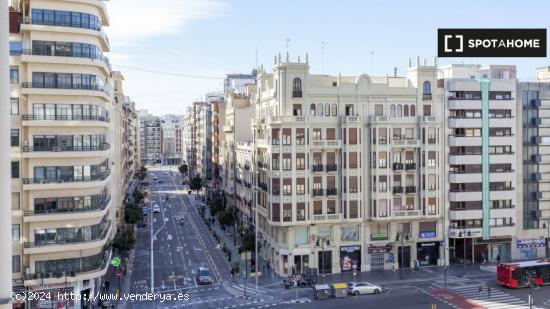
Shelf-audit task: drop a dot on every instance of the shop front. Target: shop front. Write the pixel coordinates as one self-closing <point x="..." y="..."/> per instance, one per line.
<point x="531" y="248"/>
<point x="379" y="255"/>
<point x="324" y="259"/>
<point x="427" y="253"/>
<point x="350" y="258"/>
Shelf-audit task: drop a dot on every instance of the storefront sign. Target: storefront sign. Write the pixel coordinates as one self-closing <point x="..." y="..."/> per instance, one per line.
<point x="531" y="243"/>
<point x="465" y="233"/>
<point x="350" y="258"/>
<point x="428" y="234"/>
<point x="379" y="249"/>
<point x="379" y="236"/>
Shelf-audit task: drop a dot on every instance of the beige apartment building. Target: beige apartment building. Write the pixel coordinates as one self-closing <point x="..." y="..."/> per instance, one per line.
<point x="349" y="169"/>
<point x="63" y="146"/>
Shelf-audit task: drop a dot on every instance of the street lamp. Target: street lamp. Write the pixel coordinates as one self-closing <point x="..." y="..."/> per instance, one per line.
<point x="320" y="242"/>
<point x="463" y="234"/>
<point x="403" y="237"/>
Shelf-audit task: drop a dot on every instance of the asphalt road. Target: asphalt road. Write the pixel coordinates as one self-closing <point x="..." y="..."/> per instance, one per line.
<point x="179" y="249"/>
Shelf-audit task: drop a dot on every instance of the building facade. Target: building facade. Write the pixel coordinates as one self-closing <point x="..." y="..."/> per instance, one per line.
<point x="63" y="147"/>
<point x="150" y="138"/>
<point x="348" y="169"/>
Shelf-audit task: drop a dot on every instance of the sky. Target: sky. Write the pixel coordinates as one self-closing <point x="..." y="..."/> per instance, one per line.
<point x="210" y="38"/>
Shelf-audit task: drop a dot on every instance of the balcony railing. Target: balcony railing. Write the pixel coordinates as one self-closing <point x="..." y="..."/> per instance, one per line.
<point x="263" y="186"/>
<point x="79" y="240"/>
<point x="410" y="189"/>
<point x="95" y="207"/>
<point x="410" y="166"/>
<point x="70" y="273"/>
<point x="397" y="190"/>
<point x="426" y="96"/>
<point x="97" y="177"/>
<point x="332" y="191"/>
<point x="53" y="53"/>
<point x="66" y="117"/>
<point x="317" y="168"/>
<point x="101" y="147"/>
<point x="398" y="166"/>
<point x="332" y="167"/>
<point x="70" y="86"/>
<point x="318" y="192"/>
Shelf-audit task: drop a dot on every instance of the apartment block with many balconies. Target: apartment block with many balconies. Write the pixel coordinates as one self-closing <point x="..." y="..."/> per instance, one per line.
<point x="345" y="166"/>
<point x="63" y="144"/>
<point x="481" y="163"/>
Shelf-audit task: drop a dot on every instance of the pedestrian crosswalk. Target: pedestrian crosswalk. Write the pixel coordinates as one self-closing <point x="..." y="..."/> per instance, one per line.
<point x="452" y="282"/>
<point x="495" y="299"/>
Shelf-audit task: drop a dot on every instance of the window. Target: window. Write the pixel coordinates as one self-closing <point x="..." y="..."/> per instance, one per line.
<point x="426" y="88"/>
<point x="15" y="232"/>
<point x="353" y="136"/>
<point x="331" y="134"/>
<point x="413" y="111"/>
<point x="327" y="109"/>
<point x="432" y="206"/>
<point x="300" y="136"/>
<point x="353" y="160"/>
<point x="317" y="207"/>
<point x="300" y="186"/>
<point x="297" y="110"/>
<point x="383" y="183"/>
<point x="392" y="110"/>
<point x="334" y="109"/>
<point x="16" y="47"/>
<point x="406" y="111"/>
<point x="353" y="210"/>
<point x="404" y="228"/>
<point x="382" y="159"/>
<point x="275" y="161"/>
<point x="287" y="136"/>
<point x="15" y="202"/>
<point x="300" y="216"/>
<point x="275" y="212"/>
<point x="427" y="228"/>
<point x="14" y="75"/>
<point x="427" y="110"/>
<point x="297" y="88"/>
<point x="353" y="184"/>
<point x="379" y="231"/>
<point x="312" y="110"/>
<point x="317" y="134"/>
<point x="287" y="212"/>
<point x="382" y="136"/>
<point x="275" y="186"/>
<point x="15" y="137"/>
<point x="319" y="109"/>
<point x="287" y="186"/>
<point x="379" y="110"/>
<point x="300" y="161"/>
<point x="287" y="161"/>
<point x="431" y="158"/>
<point x="399" y="110"/>
<point x="275" y="136"/>
<point x="14" y="106"/>
<point x="14" y="169"/>
<point x="431" y="182"/>
<point x="16" y="264"/>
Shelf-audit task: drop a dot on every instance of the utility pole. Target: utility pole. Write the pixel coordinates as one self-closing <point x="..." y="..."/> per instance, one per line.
<point x="5" y="159"/>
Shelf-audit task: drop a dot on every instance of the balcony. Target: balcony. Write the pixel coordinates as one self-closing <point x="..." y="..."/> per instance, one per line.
<point x="332" y="167"/>
<point x="65" y="118"/>
<point x="406" y="143"/>
<point x="97" y="177"/>
<point x="64" y="86"/>
<point x="27" y="56"/>
<point x="406" y="213"/>
<point x="62" y="245"/>
<point x="318" y="192"/>
<point x="398" y="166"/>
<point x="328" y="217"/>
<point x="326" y="144"/>
<point x="410" y="189"/>
<point x="397" y="190"/>
<point x="426" y="97"/>
<point x="410" y="166"/>
<point x="100" y="147"/>
<point x="332" y="191"/>
<point x="60" y="214"/>
<point x="317" y="168"/>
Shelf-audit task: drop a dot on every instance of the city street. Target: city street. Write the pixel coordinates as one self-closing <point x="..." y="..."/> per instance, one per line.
<point x="180" y="248"/>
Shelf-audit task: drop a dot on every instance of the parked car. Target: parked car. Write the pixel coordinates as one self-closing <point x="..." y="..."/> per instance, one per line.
<point x="203" y="276"/>
<point x="156" y="209"/>
<point x="356" y="288"/>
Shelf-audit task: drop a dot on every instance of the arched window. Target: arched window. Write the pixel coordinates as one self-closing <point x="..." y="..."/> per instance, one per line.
<point x="327" y="109"/>
<point x="334" y="109"/>
<point x="297" y="88"/>
<point x="399" y="110"/>
<point x="392" y="110"/>
<point x="319" y="109"/>
<point x="312" y="110"/>
<point x="413" y="111"/>
<point x="406" y="111"/>
<point x="426" y="88"/>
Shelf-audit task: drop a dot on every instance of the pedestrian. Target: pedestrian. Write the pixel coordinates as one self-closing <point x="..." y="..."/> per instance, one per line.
<point x="498" y="258"/>
<point x="480" y="289"/>
<point x="488" y="291"/>
<point x="107" y="285"/>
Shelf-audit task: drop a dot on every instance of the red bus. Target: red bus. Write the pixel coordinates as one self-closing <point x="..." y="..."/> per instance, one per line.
<point x="519" y="274"/>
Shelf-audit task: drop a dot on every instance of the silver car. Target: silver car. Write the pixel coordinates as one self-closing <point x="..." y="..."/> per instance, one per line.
<point x="356" y="288"/>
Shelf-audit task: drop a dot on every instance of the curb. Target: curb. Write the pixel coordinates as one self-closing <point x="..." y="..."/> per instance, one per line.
<point x="250" y="298"/>
<point x="301" y="301"/>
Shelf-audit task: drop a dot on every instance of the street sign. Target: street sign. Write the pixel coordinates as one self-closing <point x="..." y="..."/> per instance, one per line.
<point x="115" y="261"/>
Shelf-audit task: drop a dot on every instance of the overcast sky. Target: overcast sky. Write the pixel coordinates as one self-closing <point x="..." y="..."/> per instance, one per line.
<point x="210" y="38"/>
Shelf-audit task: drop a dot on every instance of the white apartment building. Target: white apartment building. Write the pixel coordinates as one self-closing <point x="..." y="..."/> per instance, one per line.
<point x="150" y="138"/>
<point x="239" y="110"/>
<point x="347" y="165"/>
<point x="63" y="147"/>
<point x="244" y="181"/>
<point x="481" y="164"/>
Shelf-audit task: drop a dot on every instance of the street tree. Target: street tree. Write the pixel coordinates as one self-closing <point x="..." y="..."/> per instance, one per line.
<point x="124" y="240"/>
<point x="183" y="168"/>
<point x="196" y="183"/>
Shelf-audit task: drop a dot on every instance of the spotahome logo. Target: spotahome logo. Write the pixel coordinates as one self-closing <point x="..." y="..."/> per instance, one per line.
<point x="491" y="42"/>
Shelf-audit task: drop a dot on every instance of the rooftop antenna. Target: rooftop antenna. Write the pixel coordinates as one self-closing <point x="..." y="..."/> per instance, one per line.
<point x="372" y="62"/>
<point x="323" y="57"/>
